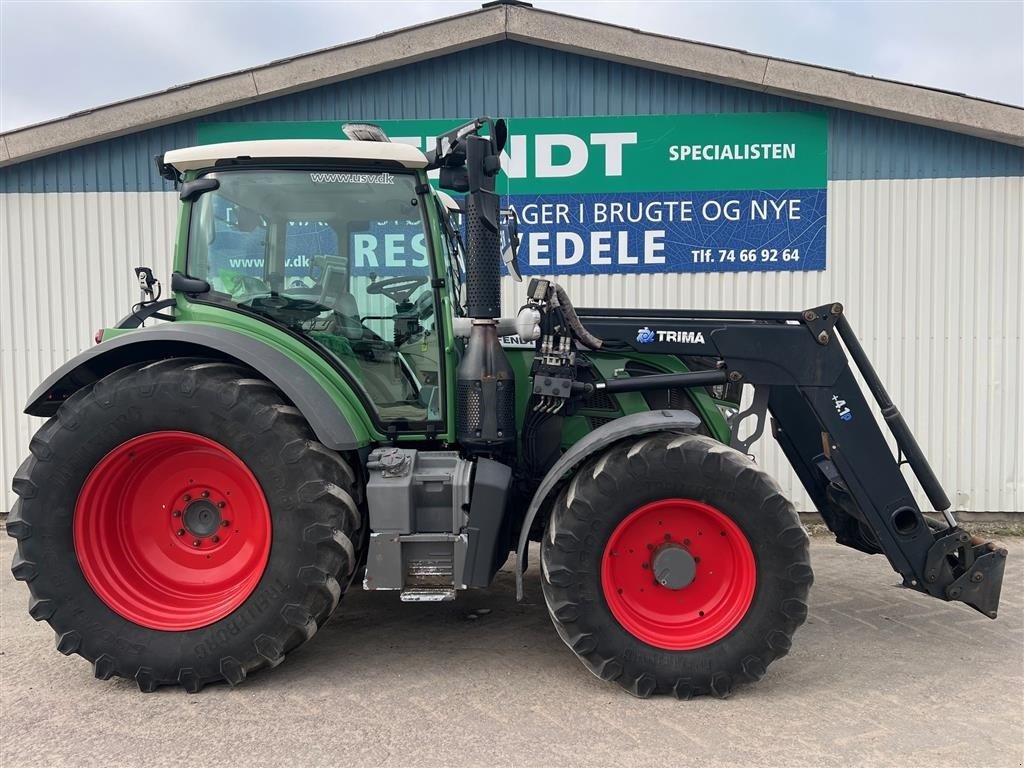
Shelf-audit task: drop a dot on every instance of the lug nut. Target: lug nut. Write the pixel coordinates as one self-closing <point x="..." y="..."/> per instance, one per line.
<point x="181" y="531"/>
<point x="215" y="539"/>
<point x="205" y="494"/>
<point x="225" y="523"/>
<point x="221" y="504"/>
<point x="176" y="513"/>
<point x="187" y="497"/>
<point x="195" y="542"/>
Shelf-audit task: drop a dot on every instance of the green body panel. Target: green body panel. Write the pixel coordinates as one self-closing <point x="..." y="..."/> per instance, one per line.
<point x="317" y="366"/>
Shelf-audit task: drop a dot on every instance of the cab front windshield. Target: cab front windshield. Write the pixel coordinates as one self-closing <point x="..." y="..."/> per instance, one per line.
<point x="339" y="257"/>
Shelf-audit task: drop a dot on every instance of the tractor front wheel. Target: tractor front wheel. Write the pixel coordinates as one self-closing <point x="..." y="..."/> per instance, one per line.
<point x="673" y="564"/>
<point x="178" y="523"/>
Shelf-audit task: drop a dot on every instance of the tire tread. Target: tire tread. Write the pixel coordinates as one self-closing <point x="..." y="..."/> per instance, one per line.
<point x="585" y="499"/>
<point x="329" y="489"/>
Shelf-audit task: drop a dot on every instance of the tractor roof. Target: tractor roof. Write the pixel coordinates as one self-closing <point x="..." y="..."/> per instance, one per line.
<point x="207" y="155"/>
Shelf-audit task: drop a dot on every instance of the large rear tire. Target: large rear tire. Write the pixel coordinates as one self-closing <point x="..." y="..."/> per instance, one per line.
<point x="673" y="564"/>
<point x="178" y="523"/>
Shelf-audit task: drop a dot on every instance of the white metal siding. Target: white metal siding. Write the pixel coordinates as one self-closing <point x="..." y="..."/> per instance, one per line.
<point x="66" y="264"/>
<point x="930" y="271"/>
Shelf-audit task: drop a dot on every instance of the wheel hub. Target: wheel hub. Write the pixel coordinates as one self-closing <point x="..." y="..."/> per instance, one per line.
<point x="202" y="518"/>
<point x="673" y="566"/>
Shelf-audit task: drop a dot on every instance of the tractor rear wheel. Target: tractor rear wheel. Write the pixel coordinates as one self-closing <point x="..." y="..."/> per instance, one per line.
<point x="178" y="523"/>
<point x="673" y="564"/>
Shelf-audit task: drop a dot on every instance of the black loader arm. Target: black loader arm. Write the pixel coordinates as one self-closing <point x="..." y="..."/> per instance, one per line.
<point x="823" y="422"/>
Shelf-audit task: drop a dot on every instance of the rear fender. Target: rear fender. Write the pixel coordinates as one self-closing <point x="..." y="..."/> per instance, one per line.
<point x="324" y="414"/>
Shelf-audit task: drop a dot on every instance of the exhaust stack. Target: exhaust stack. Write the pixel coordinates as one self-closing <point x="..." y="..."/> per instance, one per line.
<point x="483" y="240"/>
<point x="485" y="383"/>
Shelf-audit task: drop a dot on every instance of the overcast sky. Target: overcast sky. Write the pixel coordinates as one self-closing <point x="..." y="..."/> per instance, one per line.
<point x="60" y="57"/>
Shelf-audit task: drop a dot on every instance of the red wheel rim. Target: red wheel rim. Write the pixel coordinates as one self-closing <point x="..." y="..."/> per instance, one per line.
<point x="172" y="530"/>
<point x="717" y="565"/>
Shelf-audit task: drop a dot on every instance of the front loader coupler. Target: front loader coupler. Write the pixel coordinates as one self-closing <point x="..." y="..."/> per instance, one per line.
<point x="964" y="568"/>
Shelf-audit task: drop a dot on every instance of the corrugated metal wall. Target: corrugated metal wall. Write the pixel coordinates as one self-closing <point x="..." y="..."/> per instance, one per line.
<point x="67" y="264"/>
<point x="516" y="80"/>
<point x="925" y="244"/>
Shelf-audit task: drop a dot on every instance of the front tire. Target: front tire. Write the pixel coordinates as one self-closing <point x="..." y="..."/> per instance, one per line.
<point x="178" y="523"/>
<point x="673" y="564"/>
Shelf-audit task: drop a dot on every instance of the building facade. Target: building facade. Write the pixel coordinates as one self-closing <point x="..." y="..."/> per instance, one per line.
<point x="925" y="209"/>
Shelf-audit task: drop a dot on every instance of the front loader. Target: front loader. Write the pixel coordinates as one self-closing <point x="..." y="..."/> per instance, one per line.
<point x="332" y="400"/>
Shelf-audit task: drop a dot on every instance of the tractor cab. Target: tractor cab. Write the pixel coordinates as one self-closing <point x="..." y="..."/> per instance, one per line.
<point x="337" y="250"/>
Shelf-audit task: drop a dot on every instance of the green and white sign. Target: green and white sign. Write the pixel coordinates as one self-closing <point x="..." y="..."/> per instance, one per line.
<point x="663" y="193"/>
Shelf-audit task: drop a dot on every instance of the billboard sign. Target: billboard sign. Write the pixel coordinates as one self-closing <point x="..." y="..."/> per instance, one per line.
<point x="643" y="194"/>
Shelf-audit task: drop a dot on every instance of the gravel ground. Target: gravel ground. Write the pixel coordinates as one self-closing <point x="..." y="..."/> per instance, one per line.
<point x="877" y="676"/>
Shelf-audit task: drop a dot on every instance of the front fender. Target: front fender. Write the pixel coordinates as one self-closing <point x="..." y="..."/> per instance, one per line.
<point x="612" y="432"/>
<point x="182" y="339"/>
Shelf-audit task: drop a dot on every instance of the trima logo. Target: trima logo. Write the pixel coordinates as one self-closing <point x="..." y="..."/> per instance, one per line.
<point x="645" y="336"/>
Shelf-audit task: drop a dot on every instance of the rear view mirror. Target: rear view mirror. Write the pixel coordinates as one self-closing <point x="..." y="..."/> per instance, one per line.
<point x="499" y="136"/>
<point x="191" y="190"/>
<point x="511" y="249"/>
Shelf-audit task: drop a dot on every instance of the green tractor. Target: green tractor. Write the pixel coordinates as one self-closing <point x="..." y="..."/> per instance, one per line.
<point x="333" y="398"/>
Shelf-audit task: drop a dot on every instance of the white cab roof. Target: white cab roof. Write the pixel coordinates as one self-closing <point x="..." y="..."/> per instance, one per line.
<point x="192" y="158"/>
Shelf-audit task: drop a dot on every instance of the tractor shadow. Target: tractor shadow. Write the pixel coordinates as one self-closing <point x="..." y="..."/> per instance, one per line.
<point x="480" y="631"/>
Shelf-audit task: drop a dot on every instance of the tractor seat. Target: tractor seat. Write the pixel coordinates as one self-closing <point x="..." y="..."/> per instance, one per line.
<point x="344" y="304"/>
<point x="347" y="311"/>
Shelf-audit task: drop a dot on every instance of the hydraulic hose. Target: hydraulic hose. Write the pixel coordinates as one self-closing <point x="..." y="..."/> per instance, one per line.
<point x="588" y="339"/>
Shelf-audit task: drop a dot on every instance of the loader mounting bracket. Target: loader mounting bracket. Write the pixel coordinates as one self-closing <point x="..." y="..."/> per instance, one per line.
<point x="758" y="408"/>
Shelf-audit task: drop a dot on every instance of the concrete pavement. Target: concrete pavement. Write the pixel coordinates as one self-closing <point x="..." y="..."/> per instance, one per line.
<point x="877" y="676"/>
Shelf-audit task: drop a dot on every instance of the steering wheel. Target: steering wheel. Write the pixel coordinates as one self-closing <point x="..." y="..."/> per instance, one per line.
<point x="286" y="309"/>
<point x="398" y="289"/>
